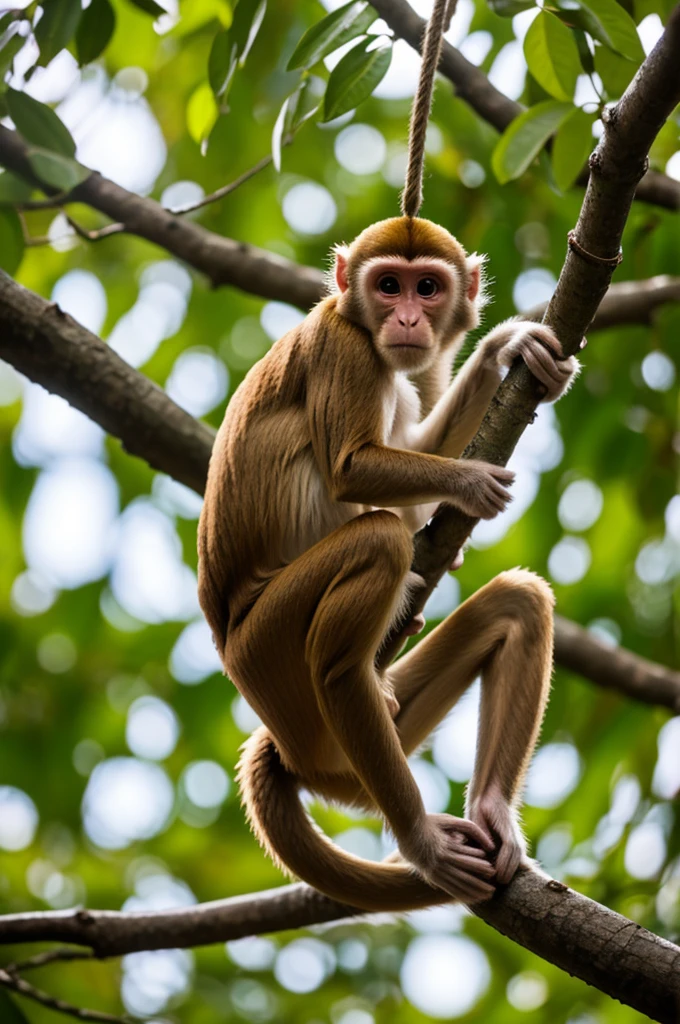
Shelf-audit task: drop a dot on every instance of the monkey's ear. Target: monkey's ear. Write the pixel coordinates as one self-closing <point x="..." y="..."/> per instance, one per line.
<point x="476" y="281"/>
<point x="341" y="253"/>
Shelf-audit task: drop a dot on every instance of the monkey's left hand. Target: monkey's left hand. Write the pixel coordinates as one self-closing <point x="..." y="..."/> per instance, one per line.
<point x="542" y="352"/>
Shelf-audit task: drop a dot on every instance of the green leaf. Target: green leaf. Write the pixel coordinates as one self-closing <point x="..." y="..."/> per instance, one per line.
<point x="572" y="146"/>
<point x="58" y="171"/>
<point x="39" y="124"/>
<point x="355" y="77"/>
<point x="552" y="56"/>
<point x="149" y="7"/>
<point x="13" y="44"/>
<point x="509" y="8"/>
<point x="94" y="30"/>
<point x="297" y="108"/>
<point x="9" y="1011"/>
<point x="524" y="138"/>
<point x="11" y="251"/>
<point x="13" y="189"/>
<point x="230" y="49"/>
<point x="587" y="62"/>
<point x="331" y="32"/>
<point x="615" y="71"/>
<point x="610" y="24"/>
<point x="56" y="27"/>
<point x="202" y="113"/>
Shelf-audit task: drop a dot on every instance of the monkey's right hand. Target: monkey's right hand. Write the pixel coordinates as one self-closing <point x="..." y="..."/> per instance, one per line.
<point x="452" y="856"/>
<point x="480" y="488"/>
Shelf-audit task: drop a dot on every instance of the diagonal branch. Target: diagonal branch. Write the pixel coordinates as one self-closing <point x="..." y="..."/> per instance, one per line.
<point x="53" y="350"/>
<point x="222" y="260"/>
<point x="473" y="86"/>
<point x="571" y="931"/>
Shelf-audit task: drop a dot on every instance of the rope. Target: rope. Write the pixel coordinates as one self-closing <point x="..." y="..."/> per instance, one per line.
<point x="412" y="196"/>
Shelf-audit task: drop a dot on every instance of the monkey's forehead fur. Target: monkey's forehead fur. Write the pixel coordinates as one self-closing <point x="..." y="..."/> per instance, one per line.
<point x="409" y="237"/>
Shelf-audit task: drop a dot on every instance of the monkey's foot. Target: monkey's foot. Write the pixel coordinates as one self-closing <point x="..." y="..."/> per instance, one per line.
<point x="455" y="858"/>
<point x="491" y="812"/>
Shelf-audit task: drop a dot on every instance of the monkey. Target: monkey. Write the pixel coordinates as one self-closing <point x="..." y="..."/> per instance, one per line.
<point x="335" y="449"/>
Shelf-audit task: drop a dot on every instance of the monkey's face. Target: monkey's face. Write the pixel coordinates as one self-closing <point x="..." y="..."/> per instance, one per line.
<point x="408" y="306"/>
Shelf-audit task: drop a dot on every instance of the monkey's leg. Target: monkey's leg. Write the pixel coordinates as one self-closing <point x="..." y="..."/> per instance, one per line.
<point x="304" y="657"/>
<point x="504" y="632"/>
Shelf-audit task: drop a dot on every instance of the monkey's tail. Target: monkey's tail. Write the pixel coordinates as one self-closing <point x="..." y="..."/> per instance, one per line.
<point x="271" y="797"/>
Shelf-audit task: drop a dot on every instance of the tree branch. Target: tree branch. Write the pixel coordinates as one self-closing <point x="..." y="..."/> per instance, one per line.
<point x="473" y="86"/>
<point x="631" y="302"/>
<point x="615" y="668"/>
<point x="571" y="931"/>
<point x="222" y="260"/>
<point x="50" y="348"/>
<point x="53" y="350"/>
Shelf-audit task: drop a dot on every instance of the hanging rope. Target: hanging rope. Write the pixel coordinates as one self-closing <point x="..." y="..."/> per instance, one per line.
<point x="412" y="196"/>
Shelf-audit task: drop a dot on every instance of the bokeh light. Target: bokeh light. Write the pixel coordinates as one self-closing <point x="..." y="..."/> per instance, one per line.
<point x="309" y="208"/>
<point x="152" y="728"/>
<point x="125" y="800"/>
<point x="18" y="819"/>
<point x="444" y="976"/>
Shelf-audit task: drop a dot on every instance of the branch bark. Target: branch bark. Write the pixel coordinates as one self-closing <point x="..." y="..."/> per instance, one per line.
<point x="222" y="260"/>
<point x="473" y="86"/>
<point x="52" y="349"/>
<point x="571" y="931"/>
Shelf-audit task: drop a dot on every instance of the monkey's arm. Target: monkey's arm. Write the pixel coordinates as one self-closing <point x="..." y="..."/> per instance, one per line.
<point x="458" y="414"/>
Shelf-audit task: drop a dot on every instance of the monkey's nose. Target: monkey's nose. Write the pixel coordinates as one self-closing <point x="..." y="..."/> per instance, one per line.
<point x="408" y="321"/>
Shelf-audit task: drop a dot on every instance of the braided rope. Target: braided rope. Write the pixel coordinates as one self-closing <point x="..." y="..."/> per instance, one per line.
<point x="412" y="196"/>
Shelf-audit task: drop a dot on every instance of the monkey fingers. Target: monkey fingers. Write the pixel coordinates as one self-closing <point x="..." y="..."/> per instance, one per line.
<point x="469" y="830"/>
<point x="508" y="860"/>
<point x="461" y="885"/>
<point x="458" y="560"/>
<point x="482" y="491"/>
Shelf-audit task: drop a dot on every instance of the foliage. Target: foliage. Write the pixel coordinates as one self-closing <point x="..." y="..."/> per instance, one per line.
<point x="226" y="86"/>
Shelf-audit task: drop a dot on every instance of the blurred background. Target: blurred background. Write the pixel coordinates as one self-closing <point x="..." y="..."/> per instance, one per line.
<point x="119" y="734"/>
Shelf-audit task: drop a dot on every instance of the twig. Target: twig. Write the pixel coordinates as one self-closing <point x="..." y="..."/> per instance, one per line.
<point x="118" y="227"/>
<point x="23" y="988"/>
<point x="62" y="954"/>
<point x="226" y="190"/>
<point x="97" y="234"/>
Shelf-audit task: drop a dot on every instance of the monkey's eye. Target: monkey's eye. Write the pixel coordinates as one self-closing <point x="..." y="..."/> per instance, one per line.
<point x="427" y="287"/>
<point x="389" y="285"/>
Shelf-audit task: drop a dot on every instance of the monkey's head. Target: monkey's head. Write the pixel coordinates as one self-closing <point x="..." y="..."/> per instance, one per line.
<point x="412" y="285"/>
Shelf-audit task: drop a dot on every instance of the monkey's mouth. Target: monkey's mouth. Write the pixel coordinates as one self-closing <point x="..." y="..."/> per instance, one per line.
<point x="409" y="344"/>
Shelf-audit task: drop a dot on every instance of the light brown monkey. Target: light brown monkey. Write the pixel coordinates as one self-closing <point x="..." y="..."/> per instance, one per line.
<point x="335" y="449"/>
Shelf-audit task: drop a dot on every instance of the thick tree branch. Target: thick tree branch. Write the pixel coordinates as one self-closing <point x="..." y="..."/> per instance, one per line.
<point x="222" y="260"/>
<point x="52" y="349"/>
<point x="473" y="86"/>
<point x="631" y="302"/>
<point x="616" y="166"/>
<point x="582" y="937"/>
